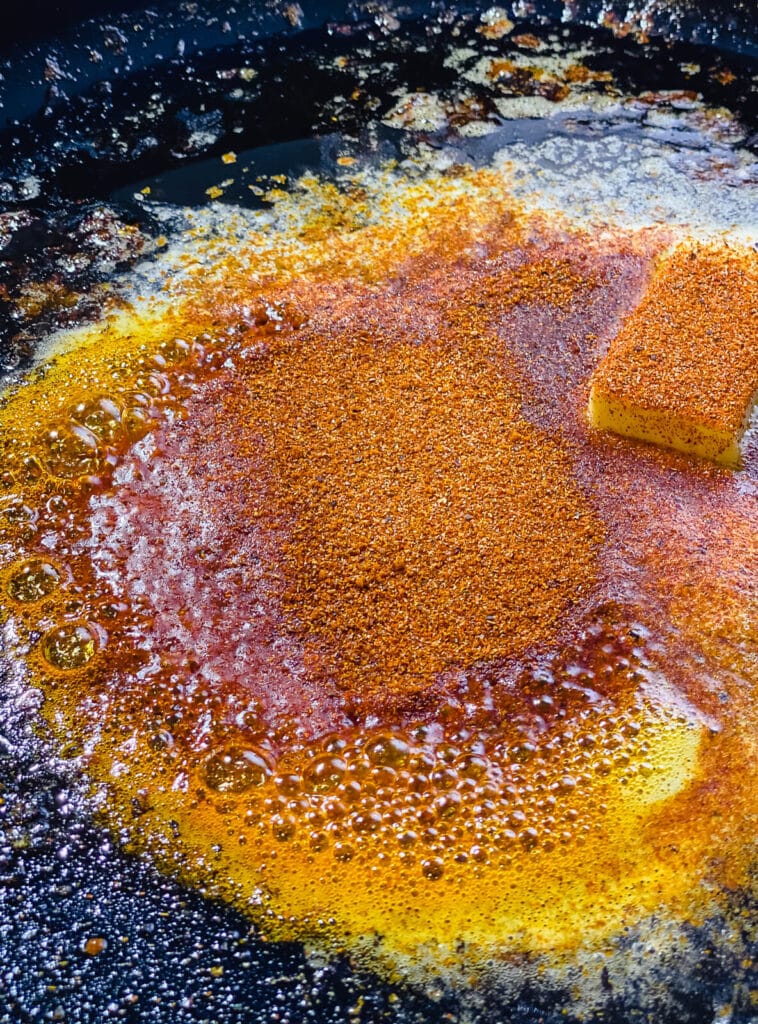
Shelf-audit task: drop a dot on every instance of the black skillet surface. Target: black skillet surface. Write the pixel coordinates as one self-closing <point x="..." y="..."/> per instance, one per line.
<point x="93" y="112"/>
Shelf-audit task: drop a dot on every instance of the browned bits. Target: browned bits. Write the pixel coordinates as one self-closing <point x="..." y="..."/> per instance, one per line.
<point x="95" y="945"/>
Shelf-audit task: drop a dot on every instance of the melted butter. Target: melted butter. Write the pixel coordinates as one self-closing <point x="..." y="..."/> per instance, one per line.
<point x="683" y="371"/>
<point x="324" y="572"/>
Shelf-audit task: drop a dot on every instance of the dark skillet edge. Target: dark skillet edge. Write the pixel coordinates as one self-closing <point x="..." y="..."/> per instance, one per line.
<point x="39" y="43"/>
<point x="730" y="26"/>
<point x="60" y="97"/>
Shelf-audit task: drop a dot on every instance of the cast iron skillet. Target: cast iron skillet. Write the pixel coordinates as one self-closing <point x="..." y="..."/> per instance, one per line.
<point x="75" y="141"/>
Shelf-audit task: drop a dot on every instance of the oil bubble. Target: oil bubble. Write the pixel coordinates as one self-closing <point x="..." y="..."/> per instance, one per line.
<point x="174" y="350"/>
<point x="325" y="774"/>
<point x="368" y="822"/>
<point x="101" y="416"/>
<point x="388" y="751"/>
<point x="444" y="778"/>
<point x="289" y="783"/>
<point x="71" y="452"/>
<point x="472" y="766"/>
<point x="433" y="868"/>
<point x="529" y="838"/>
<point x="139" y="415"/>
<point x="69" y="647"/>
<point x="318" y="841"/>
<point x="283" y="827"/>
<point x="447" y="806"/>
<point x="16" y="512"/>
<point x="32" y="580"/>
<point x="236" y="770"/>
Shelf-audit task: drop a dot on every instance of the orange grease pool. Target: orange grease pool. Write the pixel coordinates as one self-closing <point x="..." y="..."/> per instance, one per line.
<point x="354" y="620"/>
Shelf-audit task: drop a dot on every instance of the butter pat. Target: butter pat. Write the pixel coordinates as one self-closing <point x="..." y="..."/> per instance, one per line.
<point x="683" y="370"/>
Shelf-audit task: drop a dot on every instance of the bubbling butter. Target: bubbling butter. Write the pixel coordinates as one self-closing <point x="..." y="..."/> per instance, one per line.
<point x="353" y="620"/>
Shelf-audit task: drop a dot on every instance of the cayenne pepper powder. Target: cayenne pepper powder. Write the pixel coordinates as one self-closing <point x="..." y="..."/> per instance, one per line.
<point x="431" y="525"/>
